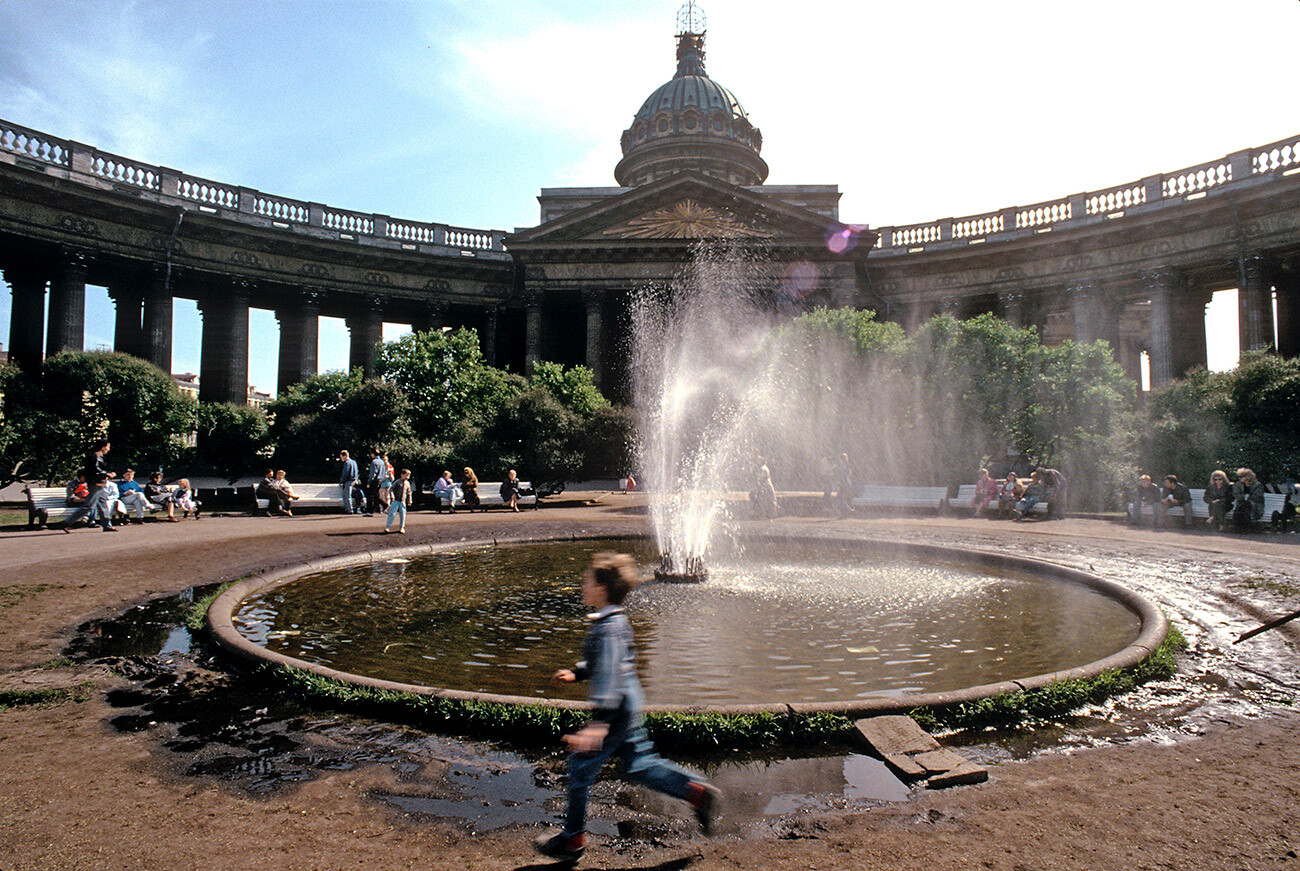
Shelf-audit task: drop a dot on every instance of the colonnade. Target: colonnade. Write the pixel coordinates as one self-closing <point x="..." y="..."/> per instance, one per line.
<point x="1160" y="312"/>
<point x="143" y="298"/>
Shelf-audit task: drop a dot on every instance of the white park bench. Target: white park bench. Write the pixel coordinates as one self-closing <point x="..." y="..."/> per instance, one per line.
<point x="966" y="492"/>
<point x="1273" y="505"/>
<point x="489" y="494"/>
<point x="895" y="496"/>
<point x="309" y="496"/>
<point x="1200" y="510"/>
<point x="51" y="503"/>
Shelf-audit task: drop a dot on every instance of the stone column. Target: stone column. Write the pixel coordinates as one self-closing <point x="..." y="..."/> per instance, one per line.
<point x="26" y="316"/>
<point x="67" y="316"/>
<point x="1162" y="284"/>
<point x="432" y="316"/>
<point x="156" y="322"/>
<point x="487" y="336"/>
<point x="299" y="319"/>
<point x="917" y="312"/>
<point x="1288" y="299"/>
<point x="223" y="365"/>
<point x="1085" y="306"/>
<point x="129" y="305"/>
<point x="1013" y="308"/>
<point x="366" y="328"/>
<point x="1187" y="328"/>
<point x="595" y="360"/>
<point x="533" y="332"/>
<point x="952" y="306"/>
<point x="1255" y="305"/>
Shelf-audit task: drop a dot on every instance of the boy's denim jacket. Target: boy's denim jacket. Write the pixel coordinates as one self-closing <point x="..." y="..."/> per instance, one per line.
<point x="609" y="662"/>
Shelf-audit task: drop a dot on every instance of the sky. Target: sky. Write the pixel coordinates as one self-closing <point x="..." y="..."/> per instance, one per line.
<point x="460" y="112"/>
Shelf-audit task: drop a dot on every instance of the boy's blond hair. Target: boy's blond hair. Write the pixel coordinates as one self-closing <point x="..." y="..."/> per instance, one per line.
<point x="616" y="572"/>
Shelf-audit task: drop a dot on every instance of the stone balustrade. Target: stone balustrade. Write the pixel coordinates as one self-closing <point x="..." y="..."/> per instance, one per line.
<point x="132" y="177"/>
<point x="1168" y="190"/>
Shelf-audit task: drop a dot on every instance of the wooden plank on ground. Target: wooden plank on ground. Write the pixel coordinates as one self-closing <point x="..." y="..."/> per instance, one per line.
<point x="913" y="754"/>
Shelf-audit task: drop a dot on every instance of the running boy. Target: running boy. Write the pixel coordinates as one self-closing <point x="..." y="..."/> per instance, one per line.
<point x="616" y="725"/>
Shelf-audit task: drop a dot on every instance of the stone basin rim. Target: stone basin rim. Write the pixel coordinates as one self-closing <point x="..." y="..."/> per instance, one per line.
<point x="1153" y="627"/>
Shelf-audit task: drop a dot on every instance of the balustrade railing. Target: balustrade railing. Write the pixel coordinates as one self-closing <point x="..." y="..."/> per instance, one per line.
<point x="281" y="209"/>
<point x="1042" y="215"/>
<point x="32" y="145"/>
<point x="1281" y="157"/>
<point x="230" y="200"/>
<point x="1115" y="200"/>
<point x="124" y="171"/>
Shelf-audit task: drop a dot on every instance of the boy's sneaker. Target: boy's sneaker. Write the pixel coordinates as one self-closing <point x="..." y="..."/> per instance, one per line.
<point x="705" y="800"/>
<point x="562" y="847"/>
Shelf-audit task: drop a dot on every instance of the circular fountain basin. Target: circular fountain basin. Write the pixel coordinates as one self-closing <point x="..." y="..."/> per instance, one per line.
<point x="848" y="626"/>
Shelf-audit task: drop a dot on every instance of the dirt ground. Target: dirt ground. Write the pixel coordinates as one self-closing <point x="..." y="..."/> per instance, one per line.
<point x="76" y="792"/>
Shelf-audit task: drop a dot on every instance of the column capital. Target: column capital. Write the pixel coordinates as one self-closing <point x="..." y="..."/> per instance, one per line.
<point x="1161" y="278"/>
<point x="312" y="297"/>
<point x="75" y="259"/>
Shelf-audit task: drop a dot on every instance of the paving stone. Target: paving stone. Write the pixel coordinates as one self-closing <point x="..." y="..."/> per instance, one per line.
<point x="902" y="765"/>
<point x="966" y="773"/>
<point x="938" y="761"/>
<point x="894" y="735"/>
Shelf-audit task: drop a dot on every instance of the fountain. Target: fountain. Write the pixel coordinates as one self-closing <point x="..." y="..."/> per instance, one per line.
<point x="838" y="624"/>
<point x="701" y="372"/>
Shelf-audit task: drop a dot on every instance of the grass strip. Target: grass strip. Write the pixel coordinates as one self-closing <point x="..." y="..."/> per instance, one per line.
<point x="23" y="698"/>
<point x="196" y="615"/>
<point x="1055" y="700"/>
<point x="537" y="724"/>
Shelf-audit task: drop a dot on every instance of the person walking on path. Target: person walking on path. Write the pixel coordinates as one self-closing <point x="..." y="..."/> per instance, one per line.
<point x="398" y="502"/>
<point x="617" y="724"/>
<point x="375" y="474"/>
<point x="348" y="476"/>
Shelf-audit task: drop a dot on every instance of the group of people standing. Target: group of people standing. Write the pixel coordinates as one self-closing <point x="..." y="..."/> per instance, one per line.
<point x="100" y="498"/>
<point x="384" y="490"/>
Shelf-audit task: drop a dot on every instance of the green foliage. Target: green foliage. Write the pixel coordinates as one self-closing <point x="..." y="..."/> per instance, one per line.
<point x="935" y="407"/>
<point x="445" y="379"/>
<point x="47" y="427"/>
<point x="232" y="438"/>
<point x="1223" y="420"/>
<point x="1057" y="699"/>
<point x="45" y="697"/>
<point x="858" y="328"/>
<point x="333" y="412"/>
<point x="609" y="437"/>
<point x="535" y="434"/>
<point x="542" y="723"/>
<point x="574" y="388"/>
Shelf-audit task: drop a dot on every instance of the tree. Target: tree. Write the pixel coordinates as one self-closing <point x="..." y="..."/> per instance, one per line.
<point x="334" y="412"/>
<point x="574" y="388"/>
<point x="446" y="380"/>
<point x="232" y="437"/>
<point x="83" y="396"/>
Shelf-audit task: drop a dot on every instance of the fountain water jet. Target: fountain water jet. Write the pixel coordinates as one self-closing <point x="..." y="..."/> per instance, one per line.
<point x="702" y="372"/>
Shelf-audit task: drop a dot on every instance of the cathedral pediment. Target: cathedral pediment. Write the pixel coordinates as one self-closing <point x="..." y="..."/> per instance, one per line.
<point x="683" y="209"/>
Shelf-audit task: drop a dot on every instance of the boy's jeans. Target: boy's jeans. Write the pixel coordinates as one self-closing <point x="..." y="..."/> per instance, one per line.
<point x="640" y="765"/>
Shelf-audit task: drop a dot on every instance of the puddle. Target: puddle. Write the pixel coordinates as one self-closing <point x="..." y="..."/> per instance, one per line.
<point x="212" y="722"/>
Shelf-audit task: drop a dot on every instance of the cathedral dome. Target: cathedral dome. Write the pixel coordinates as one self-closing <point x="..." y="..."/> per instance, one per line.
<point x="691" y="123"/>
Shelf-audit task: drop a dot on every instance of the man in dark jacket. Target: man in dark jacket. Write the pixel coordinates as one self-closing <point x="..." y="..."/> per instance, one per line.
<point x="1174" y="494"/>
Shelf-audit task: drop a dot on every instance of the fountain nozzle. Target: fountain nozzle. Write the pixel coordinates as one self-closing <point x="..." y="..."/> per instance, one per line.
<point x="692" y="572"/>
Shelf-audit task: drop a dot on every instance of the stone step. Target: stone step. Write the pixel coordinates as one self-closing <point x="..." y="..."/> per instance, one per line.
<point x="913" y="754"/>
